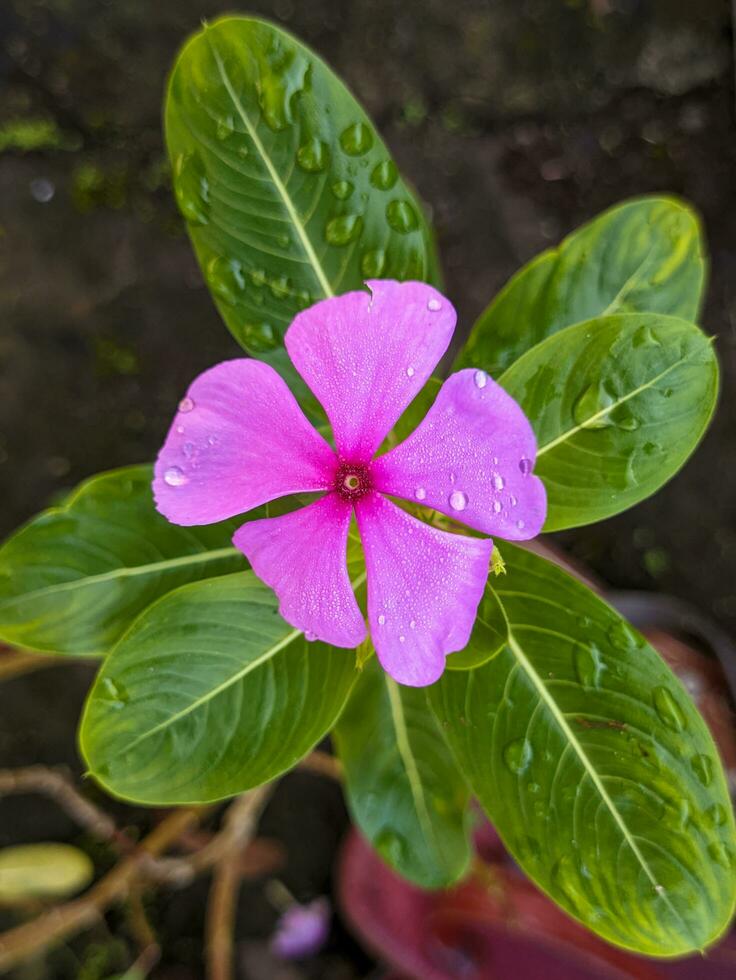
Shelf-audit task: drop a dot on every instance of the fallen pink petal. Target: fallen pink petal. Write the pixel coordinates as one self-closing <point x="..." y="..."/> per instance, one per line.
<point x="302" y="930"/>
<point x="240" y="440"/>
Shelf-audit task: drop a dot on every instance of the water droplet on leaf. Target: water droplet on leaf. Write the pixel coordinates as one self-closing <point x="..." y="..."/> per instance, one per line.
<point x="518" y="755"/>
<point x="591" y="408"/>
<point x="356" y="139"/>
<point x="372" y="263"/>
<point x="384" y="175"/>
<point x="342" y="189"/>
<point x="588" y="665"/>
<point x="402" y="216"/>
<point x="668" y="709"/>
<point x="313" y="156"/>
<point x="343" y="229"/>
<point x="702" y="766"/>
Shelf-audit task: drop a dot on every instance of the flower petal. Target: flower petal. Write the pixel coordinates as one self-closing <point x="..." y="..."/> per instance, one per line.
<point x="367" y="355"/>
<point x="238" y="440"/>
<point x="471" y="458"/>
<point x="424" y="586"/>
<point x="302" y="557"/>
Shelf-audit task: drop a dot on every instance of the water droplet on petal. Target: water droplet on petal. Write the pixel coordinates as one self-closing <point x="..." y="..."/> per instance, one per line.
<point x="668" y="709"/>
<point x="211" y="440"/>
<point x="175" y="477"/>
<point x="496" y="506"/>
<point x="481" y="379"/>
<point x="521" y="525"/>
<point x="498" y="482"/>
<point x="513" y="500"/>
<point x="310" y="636"/>
<point x="188" y="449"/>
<point x="458" y="500"/>
<point x="402" y="639"/>
<point x="180" y="429"/>
<point x="420" y="493"/>
<point x="381" y="620"/>
<point x="525" y="465"/>
<point x="186" y="404"/>
<point x="434" y="306"/>
<point x="410" y="372"/>
<point x="412" y="624"/>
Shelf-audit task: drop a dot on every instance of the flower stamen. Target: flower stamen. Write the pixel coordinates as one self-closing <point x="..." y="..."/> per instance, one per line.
<point x="352" y="480"/>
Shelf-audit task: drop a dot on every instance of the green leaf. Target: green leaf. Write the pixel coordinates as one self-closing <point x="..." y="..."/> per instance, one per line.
<point x="643" y="256"/>
<point x="75" y="577"/>
<point x="30" y="872"/>
<point x="208" y="694"/>
<point x="403" y="787"/>
<point x="488" y="637"/>
<point x="617" y="404"/>
<point x="288" y="191"/>
<point x="595" y="767"/>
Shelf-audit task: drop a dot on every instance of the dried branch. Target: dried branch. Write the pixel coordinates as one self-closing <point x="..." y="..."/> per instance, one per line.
<point x="59" y="787"/>
<point x="240" y="825"/>
<point x="322" y="763"/>
<point x="14" y="663"/>
<point x="65" y="920"/>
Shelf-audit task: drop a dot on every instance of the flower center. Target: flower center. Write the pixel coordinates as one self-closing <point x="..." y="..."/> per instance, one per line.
<point x="352" y="481"/>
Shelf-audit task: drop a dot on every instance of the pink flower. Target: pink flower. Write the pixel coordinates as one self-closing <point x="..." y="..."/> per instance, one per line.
<point x="240" y="440"/>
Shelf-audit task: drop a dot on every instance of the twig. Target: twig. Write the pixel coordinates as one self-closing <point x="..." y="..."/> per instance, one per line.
<point x="322" y="763"/>
<point x="58" y="786"/>
<point x="240" y="825"/>
<point x="14" y="663"/>
<point x="65" y="920"/>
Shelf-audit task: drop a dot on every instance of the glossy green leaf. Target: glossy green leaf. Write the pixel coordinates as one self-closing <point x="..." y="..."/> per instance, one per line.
<point x="403" y="787"/>
<point x="208" y="694"/>
<point x="617" y="404"/>
<point x="643" y="256"/>
<point x="30" y="872"/>
<point x="488" y="637"/>
<point x="288" y="191"/>
<point x="74" y="578"/>
<point x="595" y="767"/>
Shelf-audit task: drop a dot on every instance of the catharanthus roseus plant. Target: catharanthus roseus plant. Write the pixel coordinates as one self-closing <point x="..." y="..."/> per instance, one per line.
<point x="240" y="440"/>
<point x="223" y="625"/>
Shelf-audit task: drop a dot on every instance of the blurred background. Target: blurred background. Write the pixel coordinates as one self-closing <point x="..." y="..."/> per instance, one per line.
<point x="516" y="120"/>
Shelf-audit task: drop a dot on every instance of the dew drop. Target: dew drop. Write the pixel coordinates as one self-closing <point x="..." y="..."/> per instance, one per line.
<point x="481" y="379"/>
<point x="402" y="638"/>
<point x="588" y="665"/>
<point x="625" y="420"/>
<point x="191" y="189"/>
<point x="458" y="500"/>
<point x="313" y="156"/>
<point x="372" y="263"/>
<point x="525" y="465"/>
<point x="188" y="449"/>
<point x="413" y="624"/>
<point x="392" y="847"/>
<point x="410" y="372"/>
<point x="186" y="404"/>
<point x="513" y="501"/>
<point x="702" y="766"/>
<point x="225" y="127"/>
<point x="619" y="635"/>
<point x="521" y="525"/>
<point x="420" y="493"/>
<point x="496" y="506"/>
<point x="381" y="620"/>
<point x="342" y="189"/>
<point x="343" y="229"/>
<point x="402" y="217"/>
<point x="668" y="709"/>
<point x="517" y="755"/>
<point x="716" y="815"/>
<point x="211" y="440"/>
<point x="591" y="407"/>
<point x="175" y="477"/>
<point x="309" y="636"/>
<point x="180" y="429"/>
<point x="498" y="482"/>
<point x="384" y="175"/>
<point x="434" y="306"/>
<point x="356" y="139"/>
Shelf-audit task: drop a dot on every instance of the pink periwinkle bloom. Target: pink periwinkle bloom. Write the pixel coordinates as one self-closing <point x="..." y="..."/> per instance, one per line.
<point x="240" y="440"/>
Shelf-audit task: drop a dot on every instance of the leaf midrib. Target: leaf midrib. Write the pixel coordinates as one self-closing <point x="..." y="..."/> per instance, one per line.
<point x="223" y="686"/>
<point x="559" y="717"/>
<point x="131" y="571"/>
<point x="407" y="757"/>
<point x="273" y="174"/>
<point x="564" y="436"/>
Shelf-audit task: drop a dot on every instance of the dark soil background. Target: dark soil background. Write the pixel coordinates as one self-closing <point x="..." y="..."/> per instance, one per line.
<point x="516" y="120"/>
